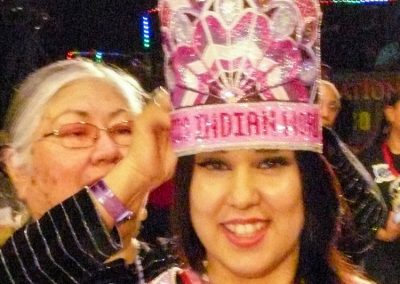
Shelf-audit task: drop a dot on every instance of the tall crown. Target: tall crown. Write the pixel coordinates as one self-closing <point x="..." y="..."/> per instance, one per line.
<point x="242" y="73"/>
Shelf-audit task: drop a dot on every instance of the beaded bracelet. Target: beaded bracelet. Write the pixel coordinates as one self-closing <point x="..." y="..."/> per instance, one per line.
<point x="110" y="202"/>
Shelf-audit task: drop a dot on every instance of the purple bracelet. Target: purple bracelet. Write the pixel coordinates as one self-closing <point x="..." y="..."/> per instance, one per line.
<point x="110" y="202"/>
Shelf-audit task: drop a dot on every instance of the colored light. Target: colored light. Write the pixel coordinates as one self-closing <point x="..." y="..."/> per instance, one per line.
<point x="70" y="55"/>
<point x="146" y="29"/>
<point x="98" y="56"/>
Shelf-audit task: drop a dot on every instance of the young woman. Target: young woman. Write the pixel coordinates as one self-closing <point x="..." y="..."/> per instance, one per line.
<point x="255" y="202"/>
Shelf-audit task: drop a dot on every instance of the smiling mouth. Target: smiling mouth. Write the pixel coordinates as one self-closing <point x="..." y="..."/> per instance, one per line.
<point x="246" y="230"/>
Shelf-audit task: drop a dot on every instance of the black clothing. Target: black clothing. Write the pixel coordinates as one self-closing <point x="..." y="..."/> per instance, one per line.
<point x="383" y="261"/>
<point x="69" y="244"/>
<point x="368" y="210"/>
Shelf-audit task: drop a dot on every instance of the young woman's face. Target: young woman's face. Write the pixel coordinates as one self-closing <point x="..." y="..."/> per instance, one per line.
<point x="247" y="210"/>
<point x="58" y="171"/>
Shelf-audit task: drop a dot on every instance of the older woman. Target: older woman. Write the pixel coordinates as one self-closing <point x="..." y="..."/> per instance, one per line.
<point x="78" y="129"/>
<point x="329" y="100"/>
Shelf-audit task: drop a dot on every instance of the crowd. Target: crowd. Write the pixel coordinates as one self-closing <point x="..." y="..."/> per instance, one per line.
<point x="264" y="189"/>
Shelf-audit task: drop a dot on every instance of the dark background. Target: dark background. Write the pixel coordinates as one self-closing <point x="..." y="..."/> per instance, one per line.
<point x="33" y="33"/>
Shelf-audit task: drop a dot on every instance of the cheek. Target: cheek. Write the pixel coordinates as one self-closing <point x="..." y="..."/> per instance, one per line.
<point x="124" y="151"/>
<point x="56" y="175"/>
<point x="204" y="198"/>
<point x="287" y="204"/>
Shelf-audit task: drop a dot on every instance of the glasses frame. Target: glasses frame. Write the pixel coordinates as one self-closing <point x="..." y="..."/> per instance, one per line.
<point x="56" y="133"/>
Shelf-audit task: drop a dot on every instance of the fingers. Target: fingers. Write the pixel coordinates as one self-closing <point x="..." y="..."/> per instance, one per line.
<point x="161" y="98"/>
<point x="167" y="155"/>
<point x="156" y="113"/>
<point x="151" y="150"/>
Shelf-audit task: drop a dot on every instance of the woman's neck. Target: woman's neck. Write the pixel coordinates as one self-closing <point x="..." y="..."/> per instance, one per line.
<point x="284" y="273"/>
<point x="276" y="279"/>
<point x="393" y="143"/>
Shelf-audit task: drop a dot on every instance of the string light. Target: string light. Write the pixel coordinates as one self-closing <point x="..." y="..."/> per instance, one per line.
<point x="146" y="31"/>
<point x="95" y="55"/>
<point x="98" y="56"/>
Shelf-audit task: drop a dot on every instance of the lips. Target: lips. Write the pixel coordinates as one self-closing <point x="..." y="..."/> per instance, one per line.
<point x="245" y="229"/>
<point x="245" y="233"/>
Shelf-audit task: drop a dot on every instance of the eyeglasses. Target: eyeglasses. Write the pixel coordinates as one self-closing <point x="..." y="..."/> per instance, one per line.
<point x="84" y="135"/>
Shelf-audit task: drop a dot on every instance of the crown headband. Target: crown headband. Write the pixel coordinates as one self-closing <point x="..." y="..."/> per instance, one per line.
<point x="242" y="73"/>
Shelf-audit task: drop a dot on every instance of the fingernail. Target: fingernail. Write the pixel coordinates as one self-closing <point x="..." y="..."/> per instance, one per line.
<point x="161" y="90"/>
<point x="161" y="97"/>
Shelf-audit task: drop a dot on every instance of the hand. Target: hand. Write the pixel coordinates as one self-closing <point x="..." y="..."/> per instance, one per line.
<point x="150" y="160"/>
<point x="151" y="155"/>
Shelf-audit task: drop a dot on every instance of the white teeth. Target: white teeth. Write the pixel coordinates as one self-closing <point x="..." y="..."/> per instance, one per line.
<point x="245" y="229"/>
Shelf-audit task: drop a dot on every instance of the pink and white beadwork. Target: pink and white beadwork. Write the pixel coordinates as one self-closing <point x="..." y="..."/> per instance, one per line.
<point x="229" y="52"/>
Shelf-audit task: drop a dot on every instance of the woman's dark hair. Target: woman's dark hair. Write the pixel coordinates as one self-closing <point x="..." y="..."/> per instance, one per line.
<point x="391" y="98"/>
<point x="319" y="262"/>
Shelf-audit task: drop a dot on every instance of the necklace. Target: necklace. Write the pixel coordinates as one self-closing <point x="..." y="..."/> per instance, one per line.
<point x="387" y="156"/>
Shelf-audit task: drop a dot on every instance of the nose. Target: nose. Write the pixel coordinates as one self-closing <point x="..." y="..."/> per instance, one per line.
<point x="244" y="192"/>
<point x="326" y="115"/>
<point x="324" y="110"/>
<point x="105" y="149"/>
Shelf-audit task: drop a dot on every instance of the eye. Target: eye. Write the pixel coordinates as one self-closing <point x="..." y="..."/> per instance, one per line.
<point x="74" y="130"/>
<point x="121" y="129"/>
<point x="274" y="162"/>
<point x="213" y="165"/>
<point x="334" y="107"/>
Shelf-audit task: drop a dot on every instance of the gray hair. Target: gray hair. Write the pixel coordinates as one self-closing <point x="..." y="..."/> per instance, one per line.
<point x="333" y="88"/>
<point x="39" y="87"/>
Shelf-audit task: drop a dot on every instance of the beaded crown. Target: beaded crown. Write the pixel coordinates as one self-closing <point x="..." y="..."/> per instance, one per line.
<point x="242" y="73"/>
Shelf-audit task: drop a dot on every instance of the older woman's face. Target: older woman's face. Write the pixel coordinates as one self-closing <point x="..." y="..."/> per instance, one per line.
<point x="58" y="172"/>
<point x="247" y="209"/>
<point x="329" y="105"/>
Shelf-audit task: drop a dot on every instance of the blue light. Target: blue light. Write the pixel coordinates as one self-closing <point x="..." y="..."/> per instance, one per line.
<point x="146" y="31"/>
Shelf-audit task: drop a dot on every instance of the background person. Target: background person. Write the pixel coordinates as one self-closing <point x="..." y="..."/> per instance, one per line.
<point x="368" y="210"/>
<point x="383" y="161"/>
<point x="329" y="101"/>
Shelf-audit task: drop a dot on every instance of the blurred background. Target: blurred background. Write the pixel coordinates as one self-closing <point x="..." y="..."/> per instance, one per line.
<point x="360" y="43"/>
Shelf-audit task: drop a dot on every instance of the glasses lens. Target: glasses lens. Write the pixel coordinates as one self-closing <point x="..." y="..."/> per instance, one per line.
<point x="77" y="135"/>
<point x="122" y="133"/>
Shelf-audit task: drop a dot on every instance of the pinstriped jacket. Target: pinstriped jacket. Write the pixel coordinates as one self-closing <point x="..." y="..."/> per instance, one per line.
<point x="69" y="245"/>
